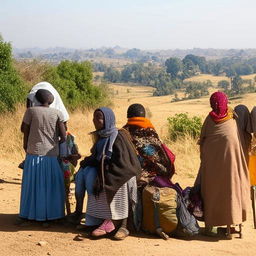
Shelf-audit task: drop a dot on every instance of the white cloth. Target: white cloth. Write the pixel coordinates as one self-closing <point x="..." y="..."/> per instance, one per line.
<point x="57" y="103"/>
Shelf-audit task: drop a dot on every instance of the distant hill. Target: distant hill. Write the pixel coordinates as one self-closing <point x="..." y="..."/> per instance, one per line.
<point x="58" y="54"/>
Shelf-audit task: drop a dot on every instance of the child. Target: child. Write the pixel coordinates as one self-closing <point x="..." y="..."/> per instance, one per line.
<point x="69" y="163"/>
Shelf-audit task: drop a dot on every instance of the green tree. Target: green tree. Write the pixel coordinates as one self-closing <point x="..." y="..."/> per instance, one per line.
<point x="236" y="84"/>
<point x="224" y="84"/>
<point x="12" y="88"/>
<point x="73" y="81"/>
<point x="173" y="67"/>
<point x="112" y="75"/>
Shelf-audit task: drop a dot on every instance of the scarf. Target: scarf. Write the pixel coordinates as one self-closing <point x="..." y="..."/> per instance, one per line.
<point x="229" y="115"/>
<point x="107" y="136"/>
<point x="57" y="102"/>
<point x="140" y="121"/>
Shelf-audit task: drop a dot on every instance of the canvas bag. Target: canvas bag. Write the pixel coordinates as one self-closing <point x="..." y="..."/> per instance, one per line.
<point x="159" y="209"/>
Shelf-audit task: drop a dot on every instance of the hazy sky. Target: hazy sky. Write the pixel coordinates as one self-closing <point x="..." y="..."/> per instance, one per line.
<point x="144" y="24"/>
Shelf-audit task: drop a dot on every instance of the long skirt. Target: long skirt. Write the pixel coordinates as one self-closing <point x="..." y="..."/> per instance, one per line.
<point x="42" y="190"/>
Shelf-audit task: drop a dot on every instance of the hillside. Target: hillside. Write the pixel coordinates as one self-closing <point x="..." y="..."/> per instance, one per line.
<point x="65" y="240"/>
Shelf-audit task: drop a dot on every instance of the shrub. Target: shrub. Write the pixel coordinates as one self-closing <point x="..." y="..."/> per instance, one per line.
<point x="181" y="125"/>
<point x="12" y="88"/>
<point x="73" y="81"/>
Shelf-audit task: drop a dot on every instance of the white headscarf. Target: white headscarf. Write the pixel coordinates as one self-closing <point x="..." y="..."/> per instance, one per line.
<point x="57" y="103"/>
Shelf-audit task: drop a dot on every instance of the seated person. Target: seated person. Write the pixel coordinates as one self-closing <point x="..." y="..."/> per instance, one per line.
<point x="109" y="177"/>
<point x="152" y="155"/>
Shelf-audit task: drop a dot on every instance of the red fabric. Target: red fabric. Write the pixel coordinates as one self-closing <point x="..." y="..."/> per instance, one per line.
<point x="219" y="104"/>
<point x="169" y="153"/>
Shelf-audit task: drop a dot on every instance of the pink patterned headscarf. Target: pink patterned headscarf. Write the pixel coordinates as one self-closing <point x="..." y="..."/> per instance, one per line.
<point x="219" y="104"/>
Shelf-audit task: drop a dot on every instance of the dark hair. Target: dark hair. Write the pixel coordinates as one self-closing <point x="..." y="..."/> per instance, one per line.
<point x="136" y="110"/>
<point x="44" y="96"/>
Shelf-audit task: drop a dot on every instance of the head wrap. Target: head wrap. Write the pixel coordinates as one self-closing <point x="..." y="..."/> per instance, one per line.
<point x="219" y="104"/>
<point x="57" y="103"/>
<point x="136" y="110"/>
<point x="108" y="134"/>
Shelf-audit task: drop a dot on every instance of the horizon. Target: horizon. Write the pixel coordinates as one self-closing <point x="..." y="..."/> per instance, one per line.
<point x="126" y="48"/>
<point x="141" y="24"/>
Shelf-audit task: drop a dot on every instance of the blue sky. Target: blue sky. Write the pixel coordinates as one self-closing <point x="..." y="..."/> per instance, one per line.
<point x="144" y="24"/>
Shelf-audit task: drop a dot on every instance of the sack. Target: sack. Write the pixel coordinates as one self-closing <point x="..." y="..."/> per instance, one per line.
<point x="195" y="206"/>
<point x="159" y="209"/>
<point x="169" y="153"/>
<point x="187" y="225"/>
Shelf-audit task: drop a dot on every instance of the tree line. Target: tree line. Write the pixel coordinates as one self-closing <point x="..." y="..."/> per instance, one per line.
<point x="171" y="76"/>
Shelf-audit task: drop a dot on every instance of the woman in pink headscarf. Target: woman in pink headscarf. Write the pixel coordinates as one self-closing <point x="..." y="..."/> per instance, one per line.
<point x="223" y="174"/>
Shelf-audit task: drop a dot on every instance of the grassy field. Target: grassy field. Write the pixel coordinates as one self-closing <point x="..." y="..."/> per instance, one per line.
<point x="205" y="77"/>
<point x="158" y="109"/>
<point x="64" y="240"/>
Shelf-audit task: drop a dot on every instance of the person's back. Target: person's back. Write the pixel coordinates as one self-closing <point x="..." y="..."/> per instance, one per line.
<point x="223" y="174"/>
<point x="43" y="135"/>
<point x="42" y="190"/>
<point x="152" y="156"/>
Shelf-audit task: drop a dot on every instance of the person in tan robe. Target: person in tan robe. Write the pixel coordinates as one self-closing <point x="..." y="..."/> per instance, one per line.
<point x="223" y="174"/>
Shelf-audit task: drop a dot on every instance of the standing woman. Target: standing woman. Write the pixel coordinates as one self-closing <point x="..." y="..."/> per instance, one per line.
<point x="223" y="173"/>
<point x="42" y="191"/>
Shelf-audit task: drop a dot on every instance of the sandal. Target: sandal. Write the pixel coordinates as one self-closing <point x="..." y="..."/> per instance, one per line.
<point x="121" y="234"/>
<point x="106" y="227"/>
<point x="74" y="218"/>
<point x="210" y="231"/>
<point x="22" y="222"/>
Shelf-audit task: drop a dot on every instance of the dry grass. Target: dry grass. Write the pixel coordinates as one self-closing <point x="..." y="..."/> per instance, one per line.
<point x="31" y="71"/>
<point x="205" y="77"/>
<point x="116" y="63"/>
<point x="160" y="108"/>
<point x="11" y="137"/>
<point x="249" y="77"/>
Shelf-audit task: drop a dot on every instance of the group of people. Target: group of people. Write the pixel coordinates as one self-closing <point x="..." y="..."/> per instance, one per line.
<point x="123" y="161"/>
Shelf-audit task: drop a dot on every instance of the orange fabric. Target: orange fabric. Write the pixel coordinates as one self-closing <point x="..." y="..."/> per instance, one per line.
<point x="229" y="116"/>
<point x="140" y="121"/>
<point x="252" y="169"/>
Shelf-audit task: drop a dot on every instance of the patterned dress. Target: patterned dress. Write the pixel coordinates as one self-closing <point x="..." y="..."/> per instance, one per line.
<point x="153" y="159"/>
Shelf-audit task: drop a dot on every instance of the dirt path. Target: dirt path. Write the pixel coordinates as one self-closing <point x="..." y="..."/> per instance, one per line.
<point x="61" y="239"/>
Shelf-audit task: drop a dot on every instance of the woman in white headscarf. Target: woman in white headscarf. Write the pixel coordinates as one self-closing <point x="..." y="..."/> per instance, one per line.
<point x="57" y="103"/>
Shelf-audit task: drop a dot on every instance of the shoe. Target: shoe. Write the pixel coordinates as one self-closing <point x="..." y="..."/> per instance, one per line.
<point x="106" y="227"/>
<point x="19" y="221"/>
<point x="74" y="218"/>
<point x="121" y="234"/>
<point x="210" y="231"/>
<point x="21" y="165"/>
